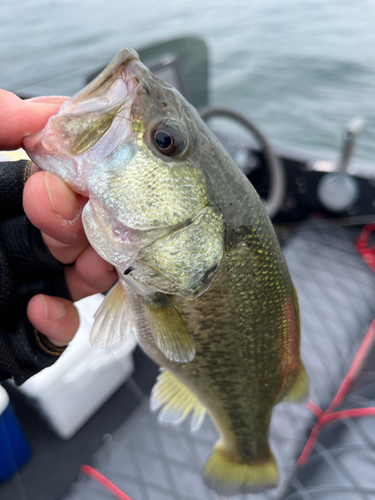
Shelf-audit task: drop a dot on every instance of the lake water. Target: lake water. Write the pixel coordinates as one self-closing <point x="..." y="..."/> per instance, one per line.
<point x="299" y="69"/>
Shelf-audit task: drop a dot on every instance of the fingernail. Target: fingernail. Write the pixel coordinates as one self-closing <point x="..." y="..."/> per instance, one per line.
<point x="53" y="309"/>
<point x="110" y="268"/>
<point x="63" y="201"/>
<point x="52" y="99"/>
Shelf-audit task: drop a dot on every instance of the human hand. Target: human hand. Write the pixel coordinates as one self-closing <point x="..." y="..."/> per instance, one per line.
<point x="53" y="208"/>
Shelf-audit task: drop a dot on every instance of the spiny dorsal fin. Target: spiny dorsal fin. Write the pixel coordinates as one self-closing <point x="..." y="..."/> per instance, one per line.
<point x="171" y="332"/>
<point x="113" y="320"/>
<point x="176" y="402"/>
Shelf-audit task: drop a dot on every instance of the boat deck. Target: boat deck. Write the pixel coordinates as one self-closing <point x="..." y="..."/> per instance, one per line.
<point x="148" y="462"/>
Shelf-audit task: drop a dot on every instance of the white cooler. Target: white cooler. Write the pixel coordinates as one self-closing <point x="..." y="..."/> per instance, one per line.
<point x="69" y="392"/>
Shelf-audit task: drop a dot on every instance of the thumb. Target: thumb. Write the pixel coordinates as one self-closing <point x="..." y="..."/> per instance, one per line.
<point x="19" y="117"/>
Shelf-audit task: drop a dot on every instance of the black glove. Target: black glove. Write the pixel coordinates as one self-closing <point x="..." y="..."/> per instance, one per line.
<point x="27" y="268"/>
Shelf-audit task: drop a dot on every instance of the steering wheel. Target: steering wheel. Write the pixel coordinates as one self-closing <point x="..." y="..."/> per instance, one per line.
<point x="276" y="191"/>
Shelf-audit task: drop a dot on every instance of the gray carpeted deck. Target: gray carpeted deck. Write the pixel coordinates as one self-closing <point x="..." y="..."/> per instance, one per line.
<point x="336" y="291"/>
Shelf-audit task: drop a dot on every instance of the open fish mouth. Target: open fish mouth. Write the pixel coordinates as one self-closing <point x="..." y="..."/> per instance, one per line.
<point x="80" y="129"/>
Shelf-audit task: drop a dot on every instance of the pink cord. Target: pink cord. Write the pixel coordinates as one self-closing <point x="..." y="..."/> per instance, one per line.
<point x="362" y="245"/>
<point x="106" y="483"/>
<point x="329" y="415"/>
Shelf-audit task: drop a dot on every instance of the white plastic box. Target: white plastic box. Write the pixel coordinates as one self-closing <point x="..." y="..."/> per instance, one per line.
<point x="69" y="392"/>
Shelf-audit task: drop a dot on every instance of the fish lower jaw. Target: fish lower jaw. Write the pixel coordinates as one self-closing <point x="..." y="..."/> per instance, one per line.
<point x="116" y="253"/>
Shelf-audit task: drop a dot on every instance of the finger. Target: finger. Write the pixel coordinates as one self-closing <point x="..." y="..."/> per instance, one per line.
<point x="21" y="118"/>
<point x="65" y="253"/>
<point x="53" y="208"/>
<point x="54" y="317"/>
<point x="95" y="271"/>
<point x="34" y="169"/>
<point x="80" y="287"/>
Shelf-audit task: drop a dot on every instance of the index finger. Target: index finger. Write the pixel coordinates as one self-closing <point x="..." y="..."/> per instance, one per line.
<point x="24" y="117"/>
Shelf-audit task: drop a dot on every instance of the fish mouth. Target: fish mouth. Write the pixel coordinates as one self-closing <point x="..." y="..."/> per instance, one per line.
<point x="83" y="120"/>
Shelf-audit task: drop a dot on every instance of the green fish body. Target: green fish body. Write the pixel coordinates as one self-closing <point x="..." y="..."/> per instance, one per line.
<point x="245" y="329"/>
<point x="202" y="279"/>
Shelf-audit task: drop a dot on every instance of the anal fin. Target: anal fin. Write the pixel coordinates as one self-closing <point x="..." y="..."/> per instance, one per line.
<point x="171" y="332"/>
<point x="176" y="401"/>
<point x="114" y="320"/>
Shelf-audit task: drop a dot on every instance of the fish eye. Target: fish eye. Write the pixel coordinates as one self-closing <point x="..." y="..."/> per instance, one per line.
<point x="168" y="139"/>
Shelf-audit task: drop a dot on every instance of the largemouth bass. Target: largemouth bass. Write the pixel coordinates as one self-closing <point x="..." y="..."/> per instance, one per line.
<point x="202" y="279"/>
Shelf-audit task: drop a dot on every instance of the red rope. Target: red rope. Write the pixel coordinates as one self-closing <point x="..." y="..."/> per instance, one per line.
<point x="355" y="412"/>
<point x="106" y="483"/>
<point x="362" y="245"/>
<point x="329" y="415"/>
<point x="318" y="412"/>
<point x="354" y="369"/>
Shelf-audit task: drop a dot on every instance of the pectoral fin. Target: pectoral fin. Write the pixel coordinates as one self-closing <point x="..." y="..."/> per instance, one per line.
<point x="171" y="332"/>
<point x="177" y="402"/>
<point x="113" y="320"/>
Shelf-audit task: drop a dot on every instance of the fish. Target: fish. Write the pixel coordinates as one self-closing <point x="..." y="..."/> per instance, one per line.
<point x="202" y="279"/>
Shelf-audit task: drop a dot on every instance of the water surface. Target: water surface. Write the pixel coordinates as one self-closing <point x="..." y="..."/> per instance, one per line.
<point x="299" y="69"/>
